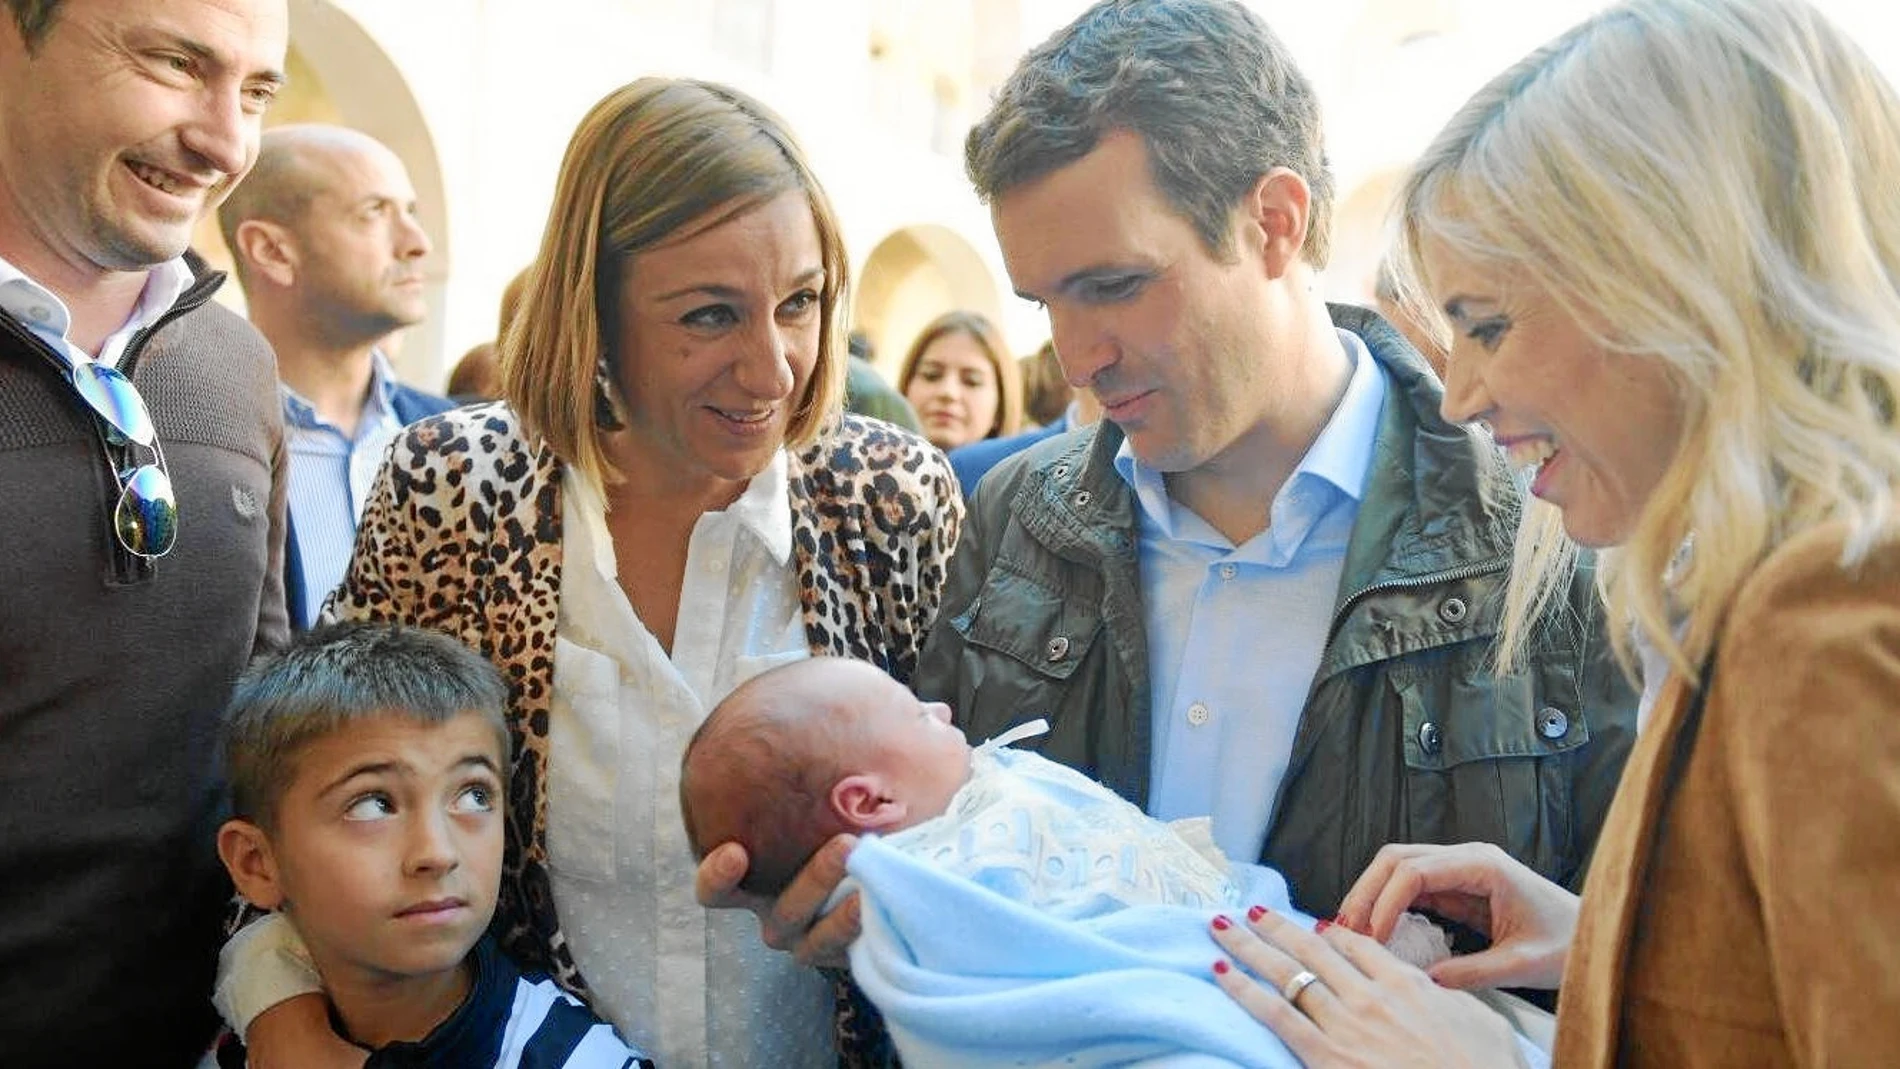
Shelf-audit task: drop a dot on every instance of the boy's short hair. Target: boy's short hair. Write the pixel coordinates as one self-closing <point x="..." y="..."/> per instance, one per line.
<point x="338" y="675"/>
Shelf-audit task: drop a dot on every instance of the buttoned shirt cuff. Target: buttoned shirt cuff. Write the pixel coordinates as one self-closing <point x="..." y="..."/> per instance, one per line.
<point x="265" y="963"/>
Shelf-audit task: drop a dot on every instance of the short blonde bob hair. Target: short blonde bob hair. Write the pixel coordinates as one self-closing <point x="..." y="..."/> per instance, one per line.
<point x="1009" y="376"/>
<point x="1708" y="184"/>
<point x="655" y="161"/>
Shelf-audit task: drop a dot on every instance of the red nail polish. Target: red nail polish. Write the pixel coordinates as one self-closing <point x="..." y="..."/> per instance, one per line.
<point x="1256" y="912"/>
<point x="1221" y="923"/>
<point x="1221" y="968"/>
<point x="1320" y="926"/>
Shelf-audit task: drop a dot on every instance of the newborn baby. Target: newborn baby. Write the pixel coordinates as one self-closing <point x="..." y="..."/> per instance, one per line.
<point x="1015" y="911"/>
<point x="806" y="751"/>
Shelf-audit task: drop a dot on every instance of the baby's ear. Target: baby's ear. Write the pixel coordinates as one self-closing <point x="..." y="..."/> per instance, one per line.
<point x="864" y="803"/>
<point x="246" y="853"/>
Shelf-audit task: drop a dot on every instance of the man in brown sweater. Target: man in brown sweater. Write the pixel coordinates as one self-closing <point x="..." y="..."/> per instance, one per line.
<point x="141" y="513"/>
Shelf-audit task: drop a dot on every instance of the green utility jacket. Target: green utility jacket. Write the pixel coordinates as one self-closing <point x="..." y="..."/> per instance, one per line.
<point x="1407" y="735"/>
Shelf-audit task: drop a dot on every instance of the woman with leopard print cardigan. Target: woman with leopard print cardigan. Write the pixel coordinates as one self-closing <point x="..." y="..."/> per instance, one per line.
<point x="669" y="502"/>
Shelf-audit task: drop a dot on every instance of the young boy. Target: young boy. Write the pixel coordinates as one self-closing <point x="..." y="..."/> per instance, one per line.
<point x="366" y="766"/>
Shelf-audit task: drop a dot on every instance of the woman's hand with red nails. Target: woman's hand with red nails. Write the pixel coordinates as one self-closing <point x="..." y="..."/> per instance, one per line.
<point x="1367" y="1009"/>
<point x="1529" y="920"/>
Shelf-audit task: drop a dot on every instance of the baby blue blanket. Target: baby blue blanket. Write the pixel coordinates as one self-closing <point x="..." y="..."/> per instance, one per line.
<point x="966" y="977"/>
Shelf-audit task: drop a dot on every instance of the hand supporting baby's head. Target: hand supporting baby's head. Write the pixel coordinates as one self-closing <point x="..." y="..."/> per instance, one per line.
<point x="807" y="751"/>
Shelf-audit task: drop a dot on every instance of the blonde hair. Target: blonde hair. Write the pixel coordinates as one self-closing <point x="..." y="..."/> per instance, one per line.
<point x="1708" y="184"/>
<point x="651" y="160"/>
<point x="1009" y="377"/>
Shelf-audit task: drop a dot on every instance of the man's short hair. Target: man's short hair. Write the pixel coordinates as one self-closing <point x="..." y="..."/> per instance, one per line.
<point x="1212" y="92"/>
<point x="34" y="18"/>
<point x="290" y="172"/>
<point x="338" y="675"/>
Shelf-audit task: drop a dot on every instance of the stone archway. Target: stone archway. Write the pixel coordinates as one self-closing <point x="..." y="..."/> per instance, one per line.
<point x="911" y="277"/>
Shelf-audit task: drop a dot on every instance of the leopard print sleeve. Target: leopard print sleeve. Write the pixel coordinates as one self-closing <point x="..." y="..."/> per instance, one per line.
<point x="939" y="524"/>
<point x="397" y="569"/>
<point x="875" y="518"/>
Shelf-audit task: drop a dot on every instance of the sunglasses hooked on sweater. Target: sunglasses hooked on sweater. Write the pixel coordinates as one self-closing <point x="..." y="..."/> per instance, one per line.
<point x="146" y="516"/>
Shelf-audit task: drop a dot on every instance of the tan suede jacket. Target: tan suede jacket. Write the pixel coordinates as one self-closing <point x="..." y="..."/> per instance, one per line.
<point x="1744" y="904"/>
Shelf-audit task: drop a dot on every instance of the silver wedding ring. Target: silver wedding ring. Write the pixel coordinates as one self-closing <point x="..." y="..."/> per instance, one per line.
<point x="1297" y="986"/>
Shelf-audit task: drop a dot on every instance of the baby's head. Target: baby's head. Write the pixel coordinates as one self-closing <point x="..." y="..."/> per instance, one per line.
<point x="366" y="766"/>
<point x="804" y="752"/>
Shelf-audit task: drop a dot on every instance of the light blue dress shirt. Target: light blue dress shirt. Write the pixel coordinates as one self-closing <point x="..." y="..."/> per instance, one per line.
<point x="1235" y="633"/>
<point x="330" y="478"/>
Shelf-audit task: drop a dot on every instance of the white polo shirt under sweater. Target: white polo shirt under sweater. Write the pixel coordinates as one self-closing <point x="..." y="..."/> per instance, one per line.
<point x="42" y="312"/>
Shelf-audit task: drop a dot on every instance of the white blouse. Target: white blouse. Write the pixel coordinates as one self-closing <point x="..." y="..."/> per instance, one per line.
<point x="688" y="986"/>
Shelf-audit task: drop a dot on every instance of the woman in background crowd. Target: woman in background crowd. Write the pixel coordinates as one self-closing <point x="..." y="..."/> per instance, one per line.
<point x="962" y="381"/>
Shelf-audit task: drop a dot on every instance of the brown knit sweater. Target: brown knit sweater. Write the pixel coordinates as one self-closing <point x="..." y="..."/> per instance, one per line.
<point x="113" y="677"/>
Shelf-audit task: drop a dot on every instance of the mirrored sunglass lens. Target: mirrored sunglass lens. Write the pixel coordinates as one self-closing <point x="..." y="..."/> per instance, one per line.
<point x="117" y="401"/>
<point x="147" y="516"/>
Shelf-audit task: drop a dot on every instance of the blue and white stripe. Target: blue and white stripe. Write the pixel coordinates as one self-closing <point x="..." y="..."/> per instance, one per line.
<point x="550" y="1029"/>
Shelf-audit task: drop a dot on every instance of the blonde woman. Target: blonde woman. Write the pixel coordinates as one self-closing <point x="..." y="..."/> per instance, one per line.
<point x="962" y="381"/>
<point x="1668" y="247"/>
<point x="668" y="502"/>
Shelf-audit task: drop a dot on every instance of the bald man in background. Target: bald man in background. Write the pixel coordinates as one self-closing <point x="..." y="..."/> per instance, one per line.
<point x="330" y="252"/>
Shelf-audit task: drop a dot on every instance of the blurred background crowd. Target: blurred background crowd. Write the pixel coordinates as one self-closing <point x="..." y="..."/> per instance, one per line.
<point x="477" y="98"/>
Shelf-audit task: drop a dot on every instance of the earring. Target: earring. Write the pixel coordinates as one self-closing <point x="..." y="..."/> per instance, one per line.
<point x="606" y="408"/>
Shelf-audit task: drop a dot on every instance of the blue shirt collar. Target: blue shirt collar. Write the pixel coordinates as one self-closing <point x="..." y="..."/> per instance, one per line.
<point x="1340" y="456"/>
<point x="1342" y="453"/>
<point x="380" y="402"/>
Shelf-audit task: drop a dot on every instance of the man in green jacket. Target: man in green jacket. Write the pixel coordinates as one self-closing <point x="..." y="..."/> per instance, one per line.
<point x="1266" y="585"/>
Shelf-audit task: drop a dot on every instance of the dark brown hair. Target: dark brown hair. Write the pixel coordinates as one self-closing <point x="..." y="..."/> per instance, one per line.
<point x="1213" y="93"/>
<point x="337" y="675"/>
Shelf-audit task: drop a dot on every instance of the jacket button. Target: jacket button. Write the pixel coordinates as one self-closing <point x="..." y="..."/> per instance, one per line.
<point x="1062" y="471"/>
<point x="1428" y="739"/>
<point x="1452" y="610"/>
<point x="1082" y="498"/>
<point x="1552" y="723"/>
<point x="1058" y="647"/>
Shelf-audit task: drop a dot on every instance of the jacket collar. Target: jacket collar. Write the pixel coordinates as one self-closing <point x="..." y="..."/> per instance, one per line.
<point x="1439" y="496"/>
<point x="1079" y="505"/>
